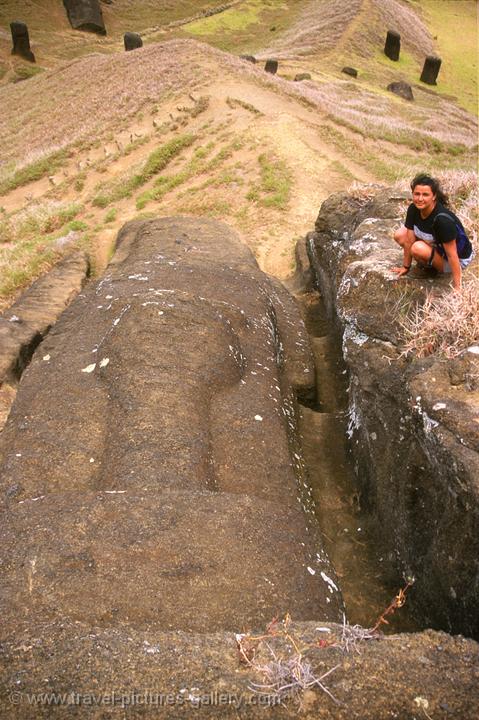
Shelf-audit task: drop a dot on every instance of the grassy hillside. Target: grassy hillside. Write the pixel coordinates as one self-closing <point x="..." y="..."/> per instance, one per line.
<point x="180" y="126"/>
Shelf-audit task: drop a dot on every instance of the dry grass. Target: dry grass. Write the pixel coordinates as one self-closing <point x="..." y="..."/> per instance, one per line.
<point x="319" y="28"/>
<point x="434" y="125"/>
<point x="423" y="130"/>
<point x="444" y="325"/>
<point x="328" y="25"/>
<point x="61" y="109"/>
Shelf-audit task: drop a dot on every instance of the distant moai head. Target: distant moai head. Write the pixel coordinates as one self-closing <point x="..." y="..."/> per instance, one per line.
<point x="21" y="40"/>
<point x="393" y="45"/>
<point x="350" y="71"/>
<point x="430" y="70"/>
<point x="132" y="41"/>
<point x="85" y="15"/>
<point x="271" y="66"/>
<point x="249" y="58"/>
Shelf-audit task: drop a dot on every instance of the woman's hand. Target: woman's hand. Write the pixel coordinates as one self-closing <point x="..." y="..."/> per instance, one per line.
<point x="454" y="264"/>
<point x="400" y="271"/>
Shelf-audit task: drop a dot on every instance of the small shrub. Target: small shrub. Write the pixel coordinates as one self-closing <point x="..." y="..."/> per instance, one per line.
<point x="24" y="72"/>
<point x="111" y="215"/>
<point x="77" y="226"/>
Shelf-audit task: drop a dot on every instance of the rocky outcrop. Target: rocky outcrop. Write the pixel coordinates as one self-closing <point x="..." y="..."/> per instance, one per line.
<point x="150" y="475"/>
<point x="413" y="423"/>
<point x="401" y="88"/>
<point x="28" y="320"/>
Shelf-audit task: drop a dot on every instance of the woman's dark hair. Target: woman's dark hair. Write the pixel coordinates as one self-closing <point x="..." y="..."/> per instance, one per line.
<point x="423" y="179"/>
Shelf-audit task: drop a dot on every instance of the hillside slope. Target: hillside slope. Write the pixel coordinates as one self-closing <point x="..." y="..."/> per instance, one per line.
<point x="180" y="126"/>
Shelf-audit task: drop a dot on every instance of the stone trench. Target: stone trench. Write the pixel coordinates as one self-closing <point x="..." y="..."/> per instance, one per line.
<point x="156" y="501"/>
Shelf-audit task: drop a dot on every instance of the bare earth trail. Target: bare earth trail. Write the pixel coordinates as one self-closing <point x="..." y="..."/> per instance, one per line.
<point x="318" y="168"/>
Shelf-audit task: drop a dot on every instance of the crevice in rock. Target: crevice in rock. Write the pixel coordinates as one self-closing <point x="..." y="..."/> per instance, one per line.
<point x="367" y="574"/>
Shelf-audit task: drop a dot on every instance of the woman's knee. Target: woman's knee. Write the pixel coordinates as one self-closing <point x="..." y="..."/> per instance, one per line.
<point x="421" y="251"/>
<point x="400" y="236"/>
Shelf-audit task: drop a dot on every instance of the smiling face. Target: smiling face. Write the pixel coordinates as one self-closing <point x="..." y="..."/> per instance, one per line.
<point x="424" y="199"/>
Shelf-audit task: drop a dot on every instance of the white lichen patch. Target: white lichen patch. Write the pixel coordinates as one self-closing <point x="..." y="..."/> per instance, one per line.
<point x="104" y="362"/>
<point x="331" y="585"/>
<point x="439" y="406"/>
<point x="46" y="357"/>
<point x="352" y="333"/>
<point x="259" y="418"/>
<point x="89" y="368"/>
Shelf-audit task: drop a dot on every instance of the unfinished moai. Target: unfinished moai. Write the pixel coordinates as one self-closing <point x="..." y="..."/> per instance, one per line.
<point x="21" y="40"/>
<point x="85" y="15"/>
<point x="271" y="66"/>
<point x="430" y="70"/>
<point x="132" y="41"/>
<point x="392" y="47"/>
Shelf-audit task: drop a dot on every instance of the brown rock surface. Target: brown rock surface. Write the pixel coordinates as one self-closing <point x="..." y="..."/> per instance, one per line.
<point x="151" y="476"/>
<point x="100" y="673"/>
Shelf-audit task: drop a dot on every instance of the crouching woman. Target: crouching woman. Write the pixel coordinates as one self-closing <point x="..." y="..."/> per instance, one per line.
<point x="432" y="235"/>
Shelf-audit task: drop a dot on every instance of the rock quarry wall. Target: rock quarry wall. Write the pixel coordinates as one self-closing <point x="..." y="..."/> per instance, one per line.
<point x="414" y="424"/>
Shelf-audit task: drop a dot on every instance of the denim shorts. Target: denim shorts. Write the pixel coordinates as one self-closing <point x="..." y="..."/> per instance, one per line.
<point x="464" y="262"/>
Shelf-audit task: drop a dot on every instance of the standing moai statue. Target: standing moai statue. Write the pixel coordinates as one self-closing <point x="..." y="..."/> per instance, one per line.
<point x="85" y="15"/>
<point x="430" y="70"/>
<point x="132" y="41"/>
<point x="271" y="66"/>
<point x="393" y="45"/>
<point x="21" y="40"/>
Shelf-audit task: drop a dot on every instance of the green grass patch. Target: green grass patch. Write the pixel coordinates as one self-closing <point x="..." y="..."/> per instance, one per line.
<point x="125" y="186"/>
<point x="36" y="170"/>
<point x="77" y="226"/>
<point x="198" y="165"/>
<point x="138" y="142"/>
<point x="30" y="251"/>
<point x="244" y="28"/>
<point x="25" y="72"/>
<point x="230" y="21"/>
<point x="274" y="187"/>
<point x="453" y="24"/>
<point x="111" y="215"/>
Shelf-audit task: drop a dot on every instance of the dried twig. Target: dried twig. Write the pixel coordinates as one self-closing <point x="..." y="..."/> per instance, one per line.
<point x="397" y="602"/>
